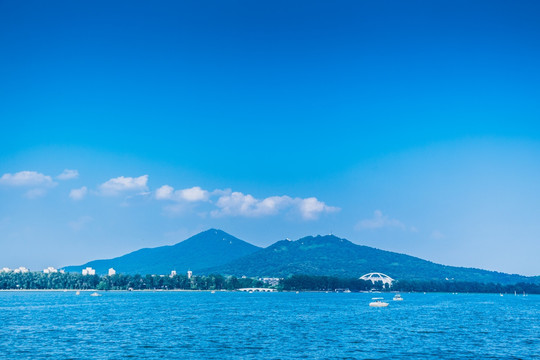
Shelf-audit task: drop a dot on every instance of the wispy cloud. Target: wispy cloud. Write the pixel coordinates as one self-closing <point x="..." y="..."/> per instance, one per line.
<point x="436" y="234"/>
<point x="35" y="193"/>
<point x="379" y="220"/>
<point x="27" y="178"/>
<point x="68" y="175"/>
<point x="122" y="184"/>
<point x="38" y="182"/>
<point x="78" y="194"/>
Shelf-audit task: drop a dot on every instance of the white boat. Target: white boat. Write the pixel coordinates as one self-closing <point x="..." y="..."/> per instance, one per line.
<point x="378" y="303"/>
<point x="95" y="294"/>
<point x="397" y="297"/>
<point x="78" y="293"/>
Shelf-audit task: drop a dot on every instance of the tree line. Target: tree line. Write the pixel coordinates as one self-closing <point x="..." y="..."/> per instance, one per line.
<point x="328" y="283"/>
<point x="464" y="287"/>
<point x="75" y="281"/>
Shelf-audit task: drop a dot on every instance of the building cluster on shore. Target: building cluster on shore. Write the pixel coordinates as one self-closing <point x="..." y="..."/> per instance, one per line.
<point x="24" y="270"/>
<point x="19" y="270"/>
<point x="270" y="281"/>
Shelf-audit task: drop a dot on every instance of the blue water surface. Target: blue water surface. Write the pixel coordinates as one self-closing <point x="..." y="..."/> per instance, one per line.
<point x="233" y="325"/>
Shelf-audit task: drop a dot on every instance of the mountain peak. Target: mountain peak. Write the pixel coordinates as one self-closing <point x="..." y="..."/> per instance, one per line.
<point x="208" y="248"/>
<point x="322" y="239"/>
<point x="211" y="236"/>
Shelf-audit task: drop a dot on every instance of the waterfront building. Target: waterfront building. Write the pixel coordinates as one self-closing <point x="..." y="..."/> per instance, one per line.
<point x="189" y="274"/>
<point x="6" y="270"/>
<point x="112" y="272"/>
<point x="173" y="273"/>
<point x="50" y="270"/>
<point x="270" y="281"/>
<point x="88" y="271"/>
<point x="21" y="270"/>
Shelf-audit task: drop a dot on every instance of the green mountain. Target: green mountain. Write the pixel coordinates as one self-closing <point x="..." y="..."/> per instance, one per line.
<point x="214" y="251"/>
<point x="332" y="256"/>
<point x="207" y="249"/>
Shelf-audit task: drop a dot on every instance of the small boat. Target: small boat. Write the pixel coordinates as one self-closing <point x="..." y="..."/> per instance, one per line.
<point x="78" y="293"/>
<point x="397" y="297"/>
<point x="378" y="302"/>
<point x="95" y="294"/>
<point x="213" y="291"/>
<point x="501" y="294"/>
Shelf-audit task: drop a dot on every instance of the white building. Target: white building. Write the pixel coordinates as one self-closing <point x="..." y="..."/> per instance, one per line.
<point x="375" y="277"/>
<point x="270" y="281"/>
<point x="189" y="274"/>
<point x="21" y="270"/>
<point x="173" y="273"/>
<point x="50" y="270"/>
<point x="112" y="272"/>
<point x="6" y="270"/>
<point x="89" y="271"/>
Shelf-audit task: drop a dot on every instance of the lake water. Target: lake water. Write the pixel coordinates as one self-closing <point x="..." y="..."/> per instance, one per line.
<point x="227" y="325"/>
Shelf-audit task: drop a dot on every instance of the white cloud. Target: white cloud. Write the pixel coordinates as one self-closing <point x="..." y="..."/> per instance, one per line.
<point x="68" y="174"/>
<point x="311" y="208"/>
<point x="193" y="194"/>
<point x="80" y="223"/>
<point x="380" y="221"/>
<point x="234" y="203"/>
<point x="165" y="192"/>
<point x="437" y="235"/>
<point x="27" y="178"/>
<point x="239" y="204"/>
<point x="121" y="184"/>
<point x="78" y="194"/>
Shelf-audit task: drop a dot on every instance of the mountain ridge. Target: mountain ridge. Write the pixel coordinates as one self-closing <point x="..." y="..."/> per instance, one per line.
<point x="333" y="256"/>
<point x="215" y="251"/>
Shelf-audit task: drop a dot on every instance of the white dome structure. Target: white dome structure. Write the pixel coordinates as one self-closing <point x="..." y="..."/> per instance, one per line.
<point x="374" y="277"/>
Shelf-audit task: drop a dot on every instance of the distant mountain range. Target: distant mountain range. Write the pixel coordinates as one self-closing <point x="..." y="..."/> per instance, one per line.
<point x="214" y="251"/>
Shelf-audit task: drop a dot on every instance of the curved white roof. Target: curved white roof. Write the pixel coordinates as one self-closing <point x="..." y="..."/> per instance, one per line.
<point x="376" y="276"/>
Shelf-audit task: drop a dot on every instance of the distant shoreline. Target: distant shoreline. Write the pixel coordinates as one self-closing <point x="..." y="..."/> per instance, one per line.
<point x="88" y="290"/>
<point x="237" y="291"/>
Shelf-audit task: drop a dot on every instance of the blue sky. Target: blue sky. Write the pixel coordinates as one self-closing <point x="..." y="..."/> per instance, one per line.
<point x="407" y="126"/>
